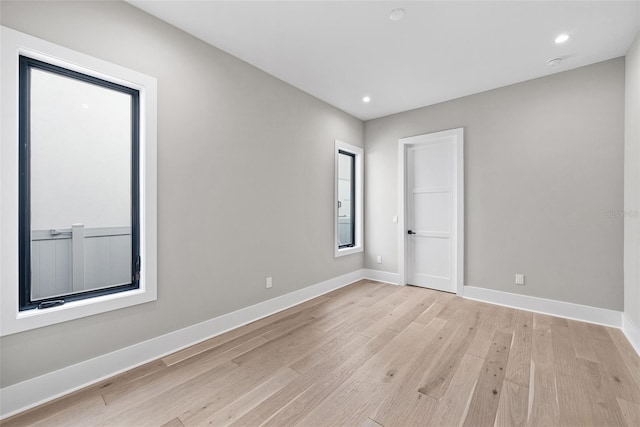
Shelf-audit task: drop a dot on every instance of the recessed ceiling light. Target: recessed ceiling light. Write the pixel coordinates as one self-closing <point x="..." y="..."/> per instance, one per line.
<point x="397" y="14"/>
<point x="562" y="38"/>
<point x="553" y="62"/>
<point x="366" y="99"/>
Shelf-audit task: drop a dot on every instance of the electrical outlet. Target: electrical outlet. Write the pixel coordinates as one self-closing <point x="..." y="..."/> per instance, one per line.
<point x="519" y="279"/>
<point x="379" y="260"/>
<point x="269" y="282"/>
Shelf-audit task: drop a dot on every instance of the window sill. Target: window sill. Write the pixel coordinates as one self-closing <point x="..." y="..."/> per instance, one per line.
<point x="348" y="251"/>
<point x="31" y="319"/>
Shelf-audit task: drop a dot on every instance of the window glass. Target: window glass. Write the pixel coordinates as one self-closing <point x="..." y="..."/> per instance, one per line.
<point x="78" y="185"/>
<point x="346" y="199"/>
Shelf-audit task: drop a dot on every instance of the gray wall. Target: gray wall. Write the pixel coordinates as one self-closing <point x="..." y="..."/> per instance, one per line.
<point x="543" y="184"/>
<point x="245" y="182"/>
<point x="632" y="185"/>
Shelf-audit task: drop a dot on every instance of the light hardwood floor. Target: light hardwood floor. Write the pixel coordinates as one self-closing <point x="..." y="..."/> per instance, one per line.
<point x="372" y="354"/>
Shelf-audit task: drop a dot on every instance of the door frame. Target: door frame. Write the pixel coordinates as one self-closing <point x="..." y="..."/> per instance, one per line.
<point x="403" y="144"/>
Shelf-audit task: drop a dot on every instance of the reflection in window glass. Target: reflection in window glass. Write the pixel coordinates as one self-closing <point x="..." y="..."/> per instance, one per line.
<point x="346" y="199"/>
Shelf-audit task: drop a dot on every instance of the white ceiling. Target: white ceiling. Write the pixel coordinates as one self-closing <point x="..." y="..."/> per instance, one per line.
<point x="342" y="51"/>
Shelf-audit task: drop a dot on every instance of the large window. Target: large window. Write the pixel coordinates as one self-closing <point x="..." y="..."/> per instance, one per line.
<point x="348" y="209"/>
<point x="79" y="186"/>
<point x="78" y="180"/>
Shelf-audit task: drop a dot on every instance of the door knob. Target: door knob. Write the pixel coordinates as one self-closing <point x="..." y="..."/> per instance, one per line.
<point x="411" y="232"/>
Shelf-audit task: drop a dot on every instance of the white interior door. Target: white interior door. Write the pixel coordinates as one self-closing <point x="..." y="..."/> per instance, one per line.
<point x="432" y="211"/>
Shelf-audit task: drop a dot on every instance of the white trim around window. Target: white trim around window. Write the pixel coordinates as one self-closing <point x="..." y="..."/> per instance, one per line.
<point x="359" y="207"/>
<point x="13" y="44"/>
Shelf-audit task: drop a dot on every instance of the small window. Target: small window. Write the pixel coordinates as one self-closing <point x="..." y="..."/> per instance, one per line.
<point x="348" y="199"/>
<point x="79" y="209"/>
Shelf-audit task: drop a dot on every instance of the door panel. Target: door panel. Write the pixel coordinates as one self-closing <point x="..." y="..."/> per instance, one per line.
<point x="435" y="211"/>
<point x="431" y="166"/>
<point x="431" y="213"/>
<point x="433" y="254"/>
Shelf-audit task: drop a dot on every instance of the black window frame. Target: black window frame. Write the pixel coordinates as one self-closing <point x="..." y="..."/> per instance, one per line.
<point x="26" y="64"/>
<point x="353" y="199"/>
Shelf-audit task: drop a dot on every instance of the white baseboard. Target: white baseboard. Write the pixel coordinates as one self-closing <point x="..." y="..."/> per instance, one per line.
<point x="36" y="391"/>
<point x="569" y="310"/>
<point x="631" y="331"/>
<point x="382" y="276"/>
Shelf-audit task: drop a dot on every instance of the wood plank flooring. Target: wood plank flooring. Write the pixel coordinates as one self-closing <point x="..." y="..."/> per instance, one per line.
<point x="372" y="354"/>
